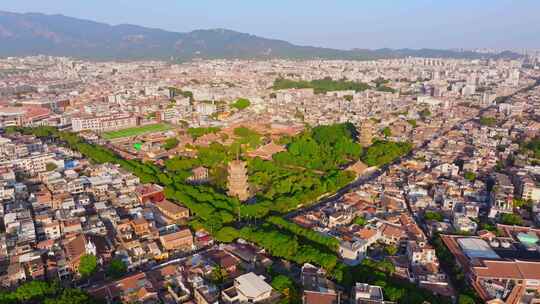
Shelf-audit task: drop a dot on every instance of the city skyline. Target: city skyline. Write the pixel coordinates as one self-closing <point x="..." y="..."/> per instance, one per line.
<point x="346" y="25"/>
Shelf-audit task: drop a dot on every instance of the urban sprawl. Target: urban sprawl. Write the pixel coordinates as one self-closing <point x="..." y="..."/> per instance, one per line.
<point x="406" y="180"/>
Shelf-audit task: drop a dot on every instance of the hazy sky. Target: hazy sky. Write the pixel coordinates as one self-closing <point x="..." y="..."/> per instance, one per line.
<point x="329" y="23"/>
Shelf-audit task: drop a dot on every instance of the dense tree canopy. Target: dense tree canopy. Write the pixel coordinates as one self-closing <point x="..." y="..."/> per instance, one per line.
<point x="248" y="137"/>
<point x="384" y="152"/>
<point x="289" y="246"/>
<point x="322" y="148"/>
<point x="320" y="86"/>
<point x="315" y="237"/>
<point x="198" y="132"/>
<point x="45" y="292"/>
<point x="72" y="296"/>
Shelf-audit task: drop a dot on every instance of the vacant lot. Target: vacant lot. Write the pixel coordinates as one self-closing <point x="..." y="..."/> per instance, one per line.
<point x="136" y="131"/>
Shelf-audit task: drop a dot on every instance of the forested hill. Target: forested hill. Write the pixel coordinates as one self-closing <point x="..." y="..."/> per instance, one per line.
<point x="58" y="35"/>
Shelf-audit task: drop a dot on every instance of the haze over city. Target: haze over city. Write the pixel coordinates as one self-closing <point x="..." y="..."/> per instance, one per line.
<point x="344" y="24"/>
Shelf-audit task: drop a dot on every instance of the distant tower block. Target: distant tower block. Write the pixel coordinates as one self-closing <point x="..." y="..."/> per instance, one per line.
<point x="238" y="180"/>
<point x="366" y="133"/>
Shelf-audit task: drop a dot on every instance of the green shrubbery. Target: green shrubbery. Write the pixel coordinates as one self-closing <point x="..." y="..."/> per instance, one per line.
<point x="433" y="216"/>
<point x="488" y="121"/>
<point x="241" y="103"/>
<point x="511" y="219"/>
<point x="470" y="176"/>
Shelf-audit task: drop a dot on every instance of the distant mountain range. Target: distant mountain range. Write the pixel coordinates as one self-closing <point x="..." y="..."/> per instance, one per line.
<point x="58" y="35"/>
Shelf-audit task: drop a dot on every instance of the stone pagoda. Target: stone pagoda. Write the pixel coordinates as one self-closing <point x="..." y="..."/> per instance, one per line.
<point x="366" y="133"/>
<point x="237" y="181"/>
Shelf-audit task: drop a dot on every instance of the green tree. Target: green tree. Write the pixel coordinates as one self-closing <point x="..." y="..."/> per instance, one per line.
<point x="533" y="147"/>
<point x="387" y="132"/>
<point x="522" y="203"/>
<point x="248" y="136"/>
<point x="72" y="296"/>
<point x="198" y="132"/>
<point x="218" y="275"/>
<point x="46" y="292"/>
<point x="470" y="176"/>
<point x="50" y="166"/>
<point x="87" y="265"/>
<point x="320" y="86"/>
<point x="433" y="216"/>
<point x="31" y="290"/>
<point x="511" y="219"/>
<point x="226" y="235"/>
<point x="466" y="299"/>
<point x="391" y="250"/>
<point x="360" y="220"/>
<point x="171" y="143"/>
<point x="287" y="288"/>
<point x="394" y="293"/>
<point x="425" y="113"/>
<point x="214" y="223"/>
<point x="117" y="268"/>
<point x="384" y="152"/>
<point x="241" y="103"/>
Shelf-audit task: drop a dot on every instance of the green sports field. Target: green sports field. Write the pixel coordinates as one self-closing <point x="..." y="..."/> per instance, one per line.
<point x="137" y="131"/>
